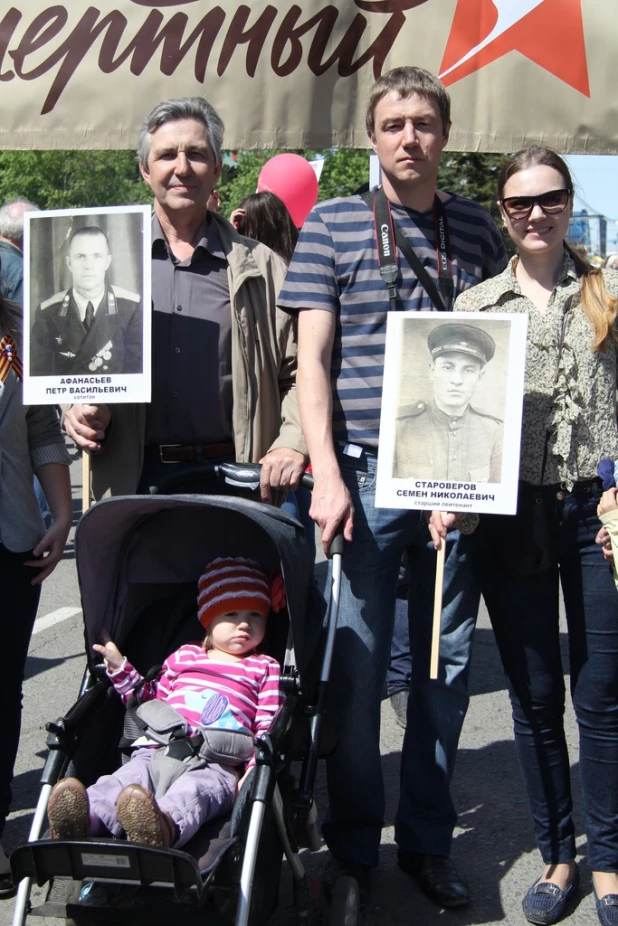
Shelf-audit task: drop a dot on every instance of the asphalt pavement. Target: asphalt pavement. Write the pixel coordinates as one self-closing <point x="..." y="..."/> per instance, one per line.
<point x="493" y="846"/>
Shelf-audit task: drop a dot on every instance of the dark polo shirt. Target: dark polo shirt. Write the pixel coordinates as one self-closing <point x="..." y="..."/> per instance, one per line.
<point x="191" y="344"/>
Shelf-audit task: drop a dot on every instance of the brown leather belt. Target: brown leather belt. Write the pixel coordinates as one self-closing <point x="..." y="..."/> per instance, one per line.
<point x="188" y="453"/>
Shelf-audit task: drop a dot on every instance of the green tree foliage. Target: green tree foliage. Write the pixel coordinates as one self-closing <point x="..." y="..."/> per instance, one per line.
<point x="237" y="182"/>
<point x="472" y="175"/>
<point x="72" y="179"/>
<point x="346" y="169"/>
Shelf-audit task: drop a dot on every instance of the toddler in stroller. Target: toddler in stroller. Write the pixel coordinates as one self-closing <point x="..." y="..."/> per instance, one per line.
<point x="199" y="716"/>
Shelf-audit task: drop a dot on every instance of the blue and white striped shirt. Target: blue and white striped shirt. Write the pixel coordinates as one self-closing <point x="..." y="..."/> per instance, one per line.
<point x="335" y="268"/>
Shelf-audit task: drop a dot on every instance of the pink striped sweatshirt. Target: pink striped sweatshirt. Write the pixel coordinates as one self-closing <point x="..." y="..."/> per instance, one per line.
<point x="242" y="695"/>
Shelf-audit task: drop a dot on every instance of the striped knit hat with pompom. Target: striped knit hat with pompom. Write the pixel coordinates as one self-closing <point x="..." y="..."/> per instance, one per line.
<point x="232" y="584"/>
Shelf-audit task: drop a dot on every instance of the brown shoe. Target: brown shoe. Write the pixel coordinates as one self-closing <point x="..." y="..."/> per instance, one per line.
<point x="143" y="820"/>
<point x="68" y="810"/>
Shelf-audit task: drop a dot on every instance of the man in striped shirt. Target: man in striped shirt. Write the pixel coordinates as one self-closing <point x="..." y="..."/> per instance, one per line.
<point x="334" y="283"/>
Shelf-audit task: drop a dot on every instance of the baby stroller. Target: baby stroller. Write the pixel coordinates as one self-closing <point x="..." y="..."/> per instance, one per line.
<point x="138" y="560"/>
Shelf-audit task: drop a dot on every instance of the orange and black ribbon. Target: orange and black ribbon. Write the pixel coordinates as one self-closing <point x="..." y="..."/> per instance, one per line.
<point x="9" y="359"/>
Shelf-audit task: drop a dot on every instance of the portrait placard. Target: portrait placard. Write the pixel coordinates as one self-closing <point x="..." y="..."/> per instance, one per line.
<point x="450" y="424"/>
<point x="87" y="305"/>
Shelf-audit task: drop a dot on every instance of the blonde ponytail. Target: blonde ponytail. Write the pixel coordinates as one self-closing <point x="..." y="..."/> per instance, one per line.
<point x="599" y="306"/>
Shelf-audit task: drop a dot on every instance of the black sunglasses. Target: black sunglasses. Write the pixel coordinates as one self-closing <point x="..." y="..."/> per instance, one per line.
<point x="552" y="203"/>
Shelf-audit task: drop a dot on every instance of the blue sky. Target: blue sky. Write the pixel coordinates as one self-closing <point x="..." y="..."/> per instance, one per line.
<point x="596" y="182"/>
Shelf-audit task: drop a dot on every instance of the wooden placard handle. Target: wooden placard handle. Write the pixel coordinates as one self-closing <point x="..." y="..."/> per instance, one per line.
<point x="437" y="611"/>
<point x="85" y="481"/>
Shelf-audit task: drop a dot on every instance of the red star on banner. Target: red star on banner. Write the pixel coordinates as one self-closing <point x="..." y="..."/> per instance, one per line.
<point x="548" y="32"/>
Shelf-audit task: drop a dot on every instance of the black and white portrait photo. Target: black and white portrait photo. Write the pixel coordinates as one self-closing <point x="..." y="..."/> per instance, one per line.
<point x="87" y="288"/>
<point x="447" y="431"/>
<point x="451" y="411"/>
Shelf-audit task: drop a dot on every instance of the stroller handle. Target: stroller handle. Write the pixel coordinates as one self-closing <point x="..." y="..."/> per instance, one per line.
<point x="249" y="473"/>
<point x="245" y="475"/>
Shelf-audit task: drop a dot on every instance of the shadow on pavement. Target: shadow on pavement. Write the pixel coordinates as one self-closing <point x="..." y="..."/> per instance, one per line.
<point x="35" y="665"/>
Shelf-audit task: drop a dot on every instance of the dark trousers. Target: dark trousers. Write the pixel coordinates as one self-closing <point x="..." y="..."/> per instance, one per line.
<point x="20" y="600"/>
<point x="400" y="668"/>
<point x="524" y="614"/>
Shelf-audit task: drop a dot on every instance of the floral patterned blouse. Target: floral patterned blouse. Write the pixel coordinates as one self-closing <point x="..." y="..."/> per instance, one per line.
<point x="569" y="394"/>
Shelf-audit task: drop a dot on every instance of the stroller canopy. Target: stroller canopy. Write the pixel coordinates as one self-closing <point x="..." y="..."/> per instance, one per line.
<point x="129" y="549"/>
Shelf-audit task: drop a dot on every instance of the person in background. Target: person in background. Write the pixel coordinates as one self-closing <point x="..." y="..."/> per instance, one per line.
<point x="31" y="442"/>
<point x="12" y="283"/>
<point x="264" y="217"/>
<point x="11" y="248"/>
<point x="569" y="424"/>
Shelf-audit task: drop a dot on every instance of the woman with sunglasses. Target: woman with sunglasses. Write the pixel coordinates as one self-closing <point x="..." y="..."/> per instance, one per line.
<point x="569" y="425"/>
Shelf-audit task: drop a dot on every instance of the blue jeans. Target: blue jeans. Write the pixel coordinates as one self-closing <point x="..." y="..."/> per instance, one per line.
<point x="426" y="815"/>
<point x="46" y="514"/>
<point x="297" y="504"/>
<point x="524" y="614"/>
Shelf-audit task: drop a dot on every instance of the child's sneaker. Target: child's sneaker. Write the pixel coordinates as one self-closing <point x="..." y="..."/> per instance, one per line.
<point x="68" y="810"/>
<point x="142" y="819"/>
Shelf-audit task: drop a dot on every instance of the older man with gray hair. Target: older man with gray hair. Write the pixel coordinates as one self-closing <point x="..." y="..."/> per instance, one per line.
<point x="223" y="354"/>
<point x="11" y="246"/>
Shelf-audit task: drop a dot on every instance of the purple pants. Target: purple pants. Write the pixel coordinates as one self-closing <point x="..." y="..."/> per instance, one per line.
<point x="197" y="796"/>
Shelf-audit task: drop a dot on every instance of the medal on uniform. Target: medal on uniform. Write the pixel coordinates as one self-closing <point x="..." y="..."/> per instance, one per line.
<point x="104" y="354"/>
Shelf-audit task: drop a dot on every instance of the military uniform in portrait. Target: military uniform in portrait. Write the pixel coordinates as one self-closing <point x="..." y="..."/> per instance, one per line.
<point x="433" y="445"/>
<point x="447" y="438"/>
<point x="108" y="340"/>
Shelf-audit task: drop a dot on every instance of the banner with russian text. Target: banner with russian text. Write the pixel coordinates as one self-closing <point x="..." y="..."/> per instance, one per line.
<point x="76" y="75"/>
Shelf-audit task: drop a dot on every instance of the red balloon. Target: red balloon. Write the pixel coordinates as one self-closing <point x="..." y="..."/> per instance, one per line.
<point x="292" y="179"/>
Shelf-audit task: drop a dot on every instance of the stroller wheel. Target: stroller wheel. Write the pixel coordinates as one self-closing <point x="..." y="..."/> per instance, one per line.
<point x="345" y="903"/>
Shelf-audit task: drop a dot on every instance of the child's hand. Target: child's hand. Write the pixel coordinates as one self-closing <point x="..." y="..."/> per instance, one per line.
<point x="112" y="656"/>
<point x="603" y="539"/>
<point x="608" y="502"/>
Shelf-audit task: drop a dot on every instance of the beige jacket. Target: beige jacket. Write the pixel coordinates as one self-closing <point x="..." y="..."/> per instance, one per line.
<point x="265" y="413"/>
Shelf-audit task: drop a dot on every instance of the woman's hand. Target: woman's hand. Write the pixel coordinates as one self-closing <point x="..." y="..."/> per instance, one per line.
<point x="50" y="549"/>
<point x="112" y="656"/>
<point x="56" y="484"/>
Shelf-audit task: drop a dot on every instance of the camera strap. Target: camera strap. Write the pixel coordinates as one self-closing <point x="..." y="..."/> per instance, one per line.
<point x="389" y="237"/>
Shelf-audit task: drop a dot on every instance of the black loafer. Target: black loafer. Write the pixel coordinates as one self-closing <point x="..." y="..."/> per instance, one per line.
<point x="436" y="876"/>
<point x="545" y="903"/>
<point x="607" y="909"/>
